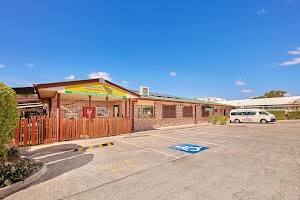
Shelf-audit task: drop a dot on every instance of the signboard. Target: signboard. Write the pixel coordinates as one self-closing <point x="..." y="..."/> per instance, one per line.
<point x="87" y="112"/>
<point x="188" y="148"/>
<point x="95" y="89"/>
<point x="100" y="112"/>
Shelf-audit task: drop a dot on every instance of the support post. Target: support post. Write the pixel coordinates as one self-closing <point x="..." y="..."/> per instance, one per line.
<point x="195" y="114"/>
<point x="107" y="111"/>
<point x="125" y="108"/>
<point x="90" y="107"/>
<point x="58" y="118"/>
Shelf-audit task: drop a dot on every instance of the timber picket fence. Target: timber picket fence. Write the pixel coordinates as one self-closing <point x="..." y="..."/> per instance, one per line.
<point x="40" y="130"/>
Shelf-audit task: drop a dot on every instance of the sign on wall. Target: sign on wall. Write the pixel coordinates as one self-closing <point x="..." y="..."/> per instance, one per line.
<point x="101" y="112"/>
<point x="95" y="89"/>
<point x="87" y="111"/>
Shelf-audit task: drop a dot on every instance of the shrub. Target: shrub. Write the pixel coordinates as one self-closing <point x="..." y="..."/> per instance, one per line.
<point x="293" y="115"/>
<point x="214" y="119"/>
<point x="9" y="115"/>
<point x="14" y="172"/>
<point x="222" y="120"/>
<point x="279" y="114"/>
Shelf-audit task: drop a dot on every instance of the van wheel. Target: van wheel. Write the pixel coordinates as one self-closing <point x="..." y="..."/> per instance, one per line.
<point x="236" y="121"/>
<point x="263" y="121"/>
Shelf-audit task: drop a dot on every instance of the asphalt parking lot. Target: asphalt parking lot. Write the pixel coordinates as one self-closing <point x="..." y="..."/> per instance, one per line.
<point x="243" y="161"/>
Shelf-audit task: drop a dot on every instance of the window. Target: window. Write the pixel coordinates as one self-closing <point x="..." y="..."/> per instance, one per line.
<point x="146" y="111"/>
<point x="169" y="111"/>
<point x="187" y="111"/>
<point x="263" y="113"/>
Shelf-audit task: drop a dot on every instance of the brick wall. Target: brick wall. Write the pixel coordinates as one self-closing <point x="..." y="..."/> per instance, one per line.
<point x="141" y="124"/>
<point x="74" y="108"/>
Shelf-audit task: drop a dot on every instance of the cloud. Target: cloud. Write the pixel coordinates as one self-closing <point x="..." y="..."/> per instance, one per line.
<point x="295" y="61"/>
<point x="296" y="52"/>
<point x="71" y="77"/>
<point x="125" y="82"/>
<point x="246" y="91"/>
<point x="1" y="66"/>
<point x="30" y="65"/>
<point x="173" y="74"/>
<point x="263" y="11"/>
<point x="103" y="75"/>
<point x="190" y="78"/>
<point x="289" y="2"/>
<point x="240" y="82"/>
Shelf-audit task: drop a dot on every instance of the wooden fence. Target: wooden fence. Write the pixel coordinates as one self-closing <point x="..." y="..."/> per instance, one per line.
<point x="37" y="131"/>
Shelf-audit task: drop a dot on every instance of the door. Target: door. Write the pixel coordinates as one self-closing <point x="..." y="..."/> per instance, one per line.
<point x="116" y="111"/>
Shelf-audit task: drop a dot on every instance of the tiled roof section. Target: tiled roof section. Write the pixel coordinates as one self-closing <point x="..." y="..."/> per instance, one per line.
<point x="159" y="96"/>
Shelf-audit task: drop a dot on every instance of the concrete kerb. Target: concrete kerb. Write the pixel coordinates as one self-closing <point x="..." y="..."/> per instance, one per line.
<point x="6" y="191"/>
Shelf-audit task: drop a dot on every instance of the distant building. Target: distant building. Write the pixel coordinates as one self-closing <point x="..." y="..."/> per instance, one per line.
<point x="278" y="103"/>
<point x="211" y="99"/>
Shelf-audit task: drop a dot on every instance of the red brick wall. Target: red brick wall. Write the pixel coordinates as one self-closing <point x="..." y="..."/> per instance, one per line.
<point x="141" y="124"/>
<point x="70" y="107"/>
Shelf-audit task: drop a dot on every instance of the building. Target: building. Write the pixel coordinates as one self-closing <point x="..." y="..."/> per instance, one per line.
<point x="97" y="107"/>
<point x="278" y="103"/>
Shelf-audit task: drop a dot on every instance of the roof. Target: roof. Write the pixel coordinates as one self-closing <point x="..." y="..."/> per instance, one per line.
<point x="24" y="90"/>
<point x="263" y="101"/>
<point x="166" y="97"/>
<point x="86" y="81"/>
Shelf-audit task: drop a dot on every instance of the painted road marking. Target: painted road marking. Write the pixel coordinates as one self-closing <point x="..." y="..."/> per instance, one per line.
<point x="53" y="154"/>
<point x="94" y="146"/>
<point x="68" y="158"/>
<point x="147" y="148"/>
<point x="184" y="139"/>
<point x="188" y="148"/>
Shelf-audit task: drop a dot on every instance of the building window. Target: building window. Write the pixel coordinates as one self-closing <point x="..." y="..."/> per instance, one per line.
<point x="169" y="111"/>
<point x="187" y="111"/>
<point x="146" y="111"/>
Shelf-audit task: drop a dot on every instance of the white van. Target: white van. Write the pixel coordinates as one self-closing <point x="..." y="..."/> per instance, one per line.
<point x="251" y="115"/>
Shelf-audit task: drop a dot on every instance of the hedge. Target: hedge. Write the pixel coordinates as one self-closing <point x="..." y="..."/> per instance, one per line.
<point x="279" y="114"/>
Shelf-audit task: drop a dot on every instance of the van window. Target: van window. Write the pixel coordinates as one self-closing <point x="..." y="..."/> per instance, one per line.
<point x="233" y="113"/>
<point x="263" y="113"/>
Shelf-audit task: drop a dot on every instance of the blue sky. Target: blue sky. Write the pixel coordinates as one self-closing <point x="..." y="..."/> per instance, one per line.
<point x="231" y="49"/>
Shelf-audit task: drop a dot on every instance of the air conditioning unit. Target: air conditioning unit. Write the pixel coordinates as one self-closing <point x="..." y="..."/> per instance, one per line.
<point x="144" y="91"/>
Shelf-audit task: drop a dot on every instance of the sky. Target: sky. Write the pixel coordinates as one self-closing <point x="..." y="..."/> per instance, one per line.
<point x="229" y="49"/>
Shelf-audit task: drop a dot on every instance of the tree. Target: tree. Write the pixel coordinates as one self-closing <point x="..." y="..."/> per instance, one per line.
<point x="272" y="94"/>
<point x="9" y="115"/>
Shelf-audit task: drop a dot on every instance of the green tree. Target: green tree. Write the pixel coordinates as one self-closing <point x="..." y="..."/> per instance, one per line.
<point x="9" y="115"/>
<point x="272" y="94"/>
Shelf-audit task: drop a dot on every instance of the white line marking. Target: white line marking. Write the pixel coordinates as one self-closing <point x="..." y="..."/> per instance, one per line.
<point x="54" y="154"/>
<point x="184" y="139"/>
<point x="148" y="148"/>
<point x="49" y="163"/>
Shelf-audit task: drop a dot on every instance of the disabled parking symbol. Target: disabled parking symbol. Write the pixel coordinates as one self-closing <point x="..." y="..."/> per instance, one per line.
<point x="188" y="148"/>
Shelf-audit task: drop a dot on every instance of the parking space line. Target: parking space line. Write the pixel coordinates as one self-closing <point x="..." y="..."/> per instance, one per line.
<point x="147" y="148"/>
<point x="68" y="158"/>
<point x="53" y="154"/>
<point x="184" y="139"/>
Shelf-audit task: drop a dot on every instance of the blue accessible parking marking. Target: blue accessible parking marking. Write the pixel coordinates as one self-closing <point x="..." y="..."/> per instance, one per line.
<point x="188" y="148"/>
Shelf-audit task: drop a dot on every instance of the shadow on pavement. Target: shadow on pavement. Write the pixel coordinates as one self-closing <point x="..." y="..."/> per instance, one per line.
<point x="59" y="159"/>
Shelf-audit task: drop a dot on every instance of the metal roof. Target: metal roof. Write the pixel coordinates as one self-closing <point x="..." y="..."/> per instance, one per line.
<point x="263" y="101"/>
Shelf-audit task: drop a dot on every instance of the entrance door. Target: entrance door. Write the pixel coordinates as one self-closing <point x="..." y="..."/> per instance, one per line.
<point x="116" y="111"/>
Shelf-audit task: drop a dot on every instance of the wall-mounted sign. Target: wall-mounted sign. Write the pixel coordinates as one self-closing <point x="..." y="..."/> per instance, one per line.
<point x="87" y="112"/>
<point x="70" y="113"/>
<point x="95" y="89"/>
<point x="101" y="112"/>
